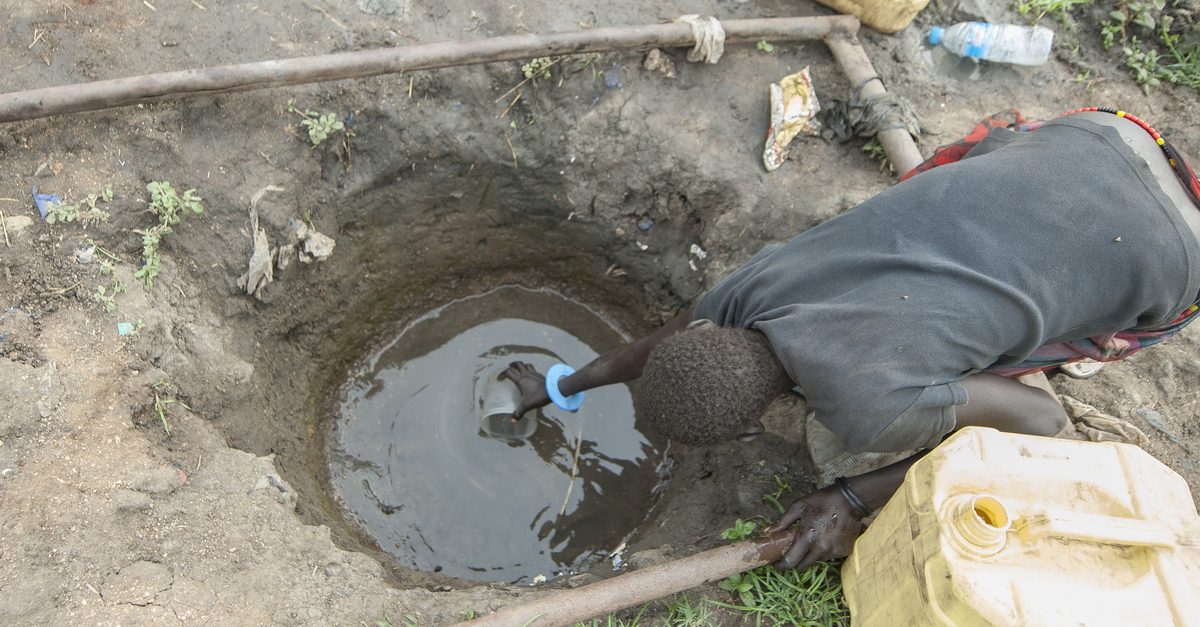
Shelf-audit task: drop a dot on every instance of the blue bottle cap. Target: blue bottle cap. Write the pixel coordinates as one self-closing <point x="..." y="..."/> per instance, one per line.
<point x="935" y="34"/>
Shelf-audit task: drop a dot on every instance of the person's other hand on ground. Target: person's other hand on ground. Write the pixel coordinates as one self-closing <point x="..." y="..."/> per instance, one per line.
<point x="828" y="528"/>
<point x="531" y="384"/>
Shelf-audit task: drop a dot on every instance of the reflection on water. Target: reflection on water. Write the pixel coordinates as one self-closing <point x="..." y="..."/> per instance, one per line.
<point x="413" y="469"/>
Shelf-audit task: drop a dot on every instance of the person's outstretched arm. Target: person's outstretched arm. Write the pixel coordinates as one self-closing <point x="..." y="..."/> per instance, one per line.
<point x="830" y="526"/>
<point x="621" y="364"/>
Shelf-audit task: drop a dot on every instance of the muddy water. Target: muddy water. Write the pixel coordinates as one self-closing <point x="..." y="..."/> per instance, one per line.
<point x="413" y="469"/>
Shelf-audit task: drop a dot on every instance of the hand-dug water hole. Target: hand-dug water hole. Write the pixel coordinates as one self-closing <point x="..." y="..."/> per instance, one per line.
<point x="413" y="469"/>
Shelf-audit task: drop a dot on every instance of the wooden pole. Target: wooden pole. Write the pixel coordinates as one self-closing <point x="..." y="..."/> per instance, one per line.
<point x="640" y="586"/>
<point x="123" y="92"/>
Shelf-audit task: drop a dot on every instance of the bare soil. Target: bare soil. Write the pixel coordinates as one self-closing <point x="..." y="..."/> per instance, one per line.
<point x="445" y="190"/>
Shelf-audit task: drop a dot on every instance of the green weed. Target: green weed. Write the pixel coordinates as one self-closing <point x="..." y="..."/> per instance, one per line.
<point x="813" y="597"/>
<point x="1149" y="65"/>
<point x="1182" y="65"/>
<point x="875" y="151"/>
<point x="160" y="404"/>
<point x="107" y="295"/>
<point x="1056" y="9"/>
<point x="136" y="331"/>
<point x="58" y="212"/>
<point x="170" y="208"/>
<point x="319" y="126"/>
<point x="765" y="47"/>
<point x="781" y="486"/>
<point x="537" y="68"/>
<point x="740" y="530"/>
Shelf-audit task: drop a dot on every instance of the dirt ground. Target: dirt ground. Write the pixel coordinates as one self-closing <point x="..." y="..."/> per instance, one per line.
<point x="445" y="190"/>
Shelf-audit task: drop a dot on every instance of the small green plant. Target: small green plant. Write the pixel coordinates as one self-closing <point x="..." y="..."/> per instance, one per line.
<point x="1144" y="64"/>
<point x="319" y="126"/>
<point x="740" y="530"/>
<point x="170" y="208"/>
<point x="467" y="615"/>
<point x="1110" y="28"/>
<point x="764" y="46"/>
<point x="1140" y="12"/>
<point x="789" y="597"/>
<point x="109" y="302"/>
<point x="136" y="331"/>
<point x="740" y="585"/>
<point x="781" y="486"/>
<point x="107" y="295"/>
<point x="58" y="212"/>
<point x="160" y="404"/>
<point x="537" y="68"/>
<point x="875" y="151"/>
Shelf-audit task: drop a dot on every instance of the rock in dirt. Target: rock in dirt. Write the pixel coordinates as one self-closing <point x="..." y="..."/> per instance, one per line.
<point x="158" y="481"/>
<point x="316" y="245"/>
<point x="137" y="584"/>
<point x="130" y="501"/>
<point x="1157" y="421"/>
<point x="652" y="557"/>
<point x="656" y="60"/>
<point x="579" y="581"/>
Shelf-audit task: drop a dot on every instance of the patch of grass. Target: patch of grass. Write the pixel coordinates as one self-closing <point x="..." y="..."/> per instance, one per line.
<point x="1178" y="60"/>
<point x="1182" y="65"/>
<point x="681" y="612"/>
<point x="170" y="208"/>
<point x="58" y="212"/>
<point x="811" y="598"/>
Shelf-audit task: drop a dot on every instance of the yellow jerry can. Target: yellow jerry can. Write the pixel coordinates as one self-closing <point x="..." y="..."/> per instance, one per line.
<point x="885" y="16"/>
<point x="997" y="529"/>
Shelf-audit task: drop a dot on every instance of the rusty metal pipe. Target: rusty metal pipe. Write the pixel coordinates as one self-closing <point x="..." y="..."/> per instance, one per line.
<point x="896" y="142"/>
<point x="121" y="92"/>
<point x="640" y="586"/>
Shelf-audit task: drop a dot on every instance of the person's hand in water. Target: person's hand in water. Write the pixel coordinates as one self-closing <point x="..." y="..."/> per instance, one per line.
<point x="828" y="528"/>
<point x="531" y="384"/>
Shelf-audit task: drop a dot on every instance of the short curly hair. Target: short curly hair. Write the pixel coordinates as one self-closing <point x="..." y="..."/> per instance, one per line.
<point x="703" y="386"/>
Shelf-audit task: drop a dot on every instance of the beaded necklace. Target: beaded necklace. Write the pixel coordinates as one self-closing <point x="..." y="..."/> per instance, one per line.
<point x="1186" y="177"/>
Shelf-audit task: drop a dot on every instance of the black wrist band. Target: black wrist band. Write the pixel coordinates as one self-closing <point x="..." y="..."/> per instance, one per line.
<point x="852" y="498"/>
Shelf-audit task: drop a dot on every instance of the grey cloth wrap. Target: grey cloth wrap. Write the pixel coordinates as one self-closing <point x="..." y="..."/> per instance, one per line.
<point x="879" y="312"/>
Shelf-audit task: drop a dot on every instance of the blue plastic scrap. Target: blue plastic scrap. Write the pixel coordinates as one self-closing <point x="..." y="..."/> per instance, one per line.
<point x="124" y="328"/>
<point x="43" y="201"/>
<point x="612" y="77"/>
<point x="645" y="224"/>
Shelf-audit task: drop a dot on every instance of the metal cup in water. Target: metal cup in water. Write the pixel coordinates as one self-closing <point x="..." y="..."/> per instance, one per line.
<point x="500" y="400"/>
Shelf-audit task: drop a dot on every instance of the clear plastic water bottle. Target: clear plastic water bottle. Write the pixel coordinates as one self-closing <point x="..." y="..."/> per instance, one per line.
<point x="1001" y="43"/>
